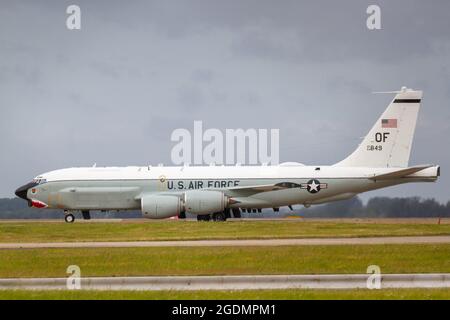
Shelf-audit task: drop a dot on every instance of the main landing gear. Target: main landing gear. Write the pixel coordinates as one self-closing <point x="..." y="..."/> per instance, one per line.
<point x="203" y="217"/>
<point x="236" y="212"/>
<point x="218" y="216"/>
<point x="221" y="216"/>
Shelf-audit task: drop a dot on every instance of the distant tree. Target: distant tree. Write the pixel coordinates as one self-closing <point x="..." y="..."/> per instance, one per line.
<point x="340" y="209"/>
<point x="378" y="207"/>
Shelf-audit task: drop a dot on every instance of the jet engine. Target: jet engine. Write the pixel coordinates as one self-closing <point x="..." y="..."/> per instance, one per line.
<point x="160" y="207"/>
<point x="204" y="201"/>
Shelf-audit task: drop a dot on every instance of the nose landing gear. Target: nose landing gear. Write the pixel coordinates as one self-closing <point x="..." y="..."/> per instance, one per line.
<point x="69" y="217"/>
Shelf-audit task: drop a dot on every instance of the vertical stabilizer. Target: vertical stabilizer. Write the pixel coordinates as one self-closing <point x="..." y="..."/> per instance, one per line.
<point x="388" y="143"/>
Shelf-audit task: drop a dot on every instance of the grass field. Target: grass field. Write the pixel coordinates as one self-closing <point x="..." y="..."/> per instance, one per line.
<point x="425" y="258"/>
<point x="398" y="294"/>
<point x="192" y="230"/>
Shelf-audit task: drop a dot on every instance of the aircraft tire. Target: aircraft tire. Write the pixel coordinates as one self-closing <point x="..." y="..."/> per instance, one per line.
<point x="236" y="213"/>
<point x="219" y="216"/>
<point x="203" y="217"/>
<point x="69" y="218"/>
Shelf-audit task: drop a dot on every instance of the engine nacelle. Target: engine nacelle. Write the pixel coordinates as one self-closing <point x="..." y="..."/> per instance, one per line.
<point x="160" y="207"/>
<point x="204" y="201"/>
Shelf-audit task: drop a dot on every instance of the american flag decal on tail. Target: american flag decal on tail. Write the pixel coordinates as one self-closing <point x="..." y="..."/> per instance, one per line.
<point x="389" y="123"/>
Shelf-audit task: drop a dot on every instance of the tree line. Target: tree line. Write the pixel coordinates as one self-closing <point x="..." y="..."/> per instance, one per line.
<point x="378" y="207"/>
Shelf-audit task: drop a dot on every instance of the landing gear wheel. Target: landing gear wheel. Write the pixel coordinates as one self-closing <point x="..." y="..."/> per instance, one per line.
<point x="219" y="216"/>
<point x="236" y="212"/>
<point x="203" y="217"/>
<point x="69" y="218"/>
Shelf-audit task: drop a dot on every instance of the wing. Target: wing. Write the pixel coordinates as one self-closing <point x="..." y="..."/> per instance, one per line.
<point x="250" y="190"/>
<point x="241" y="191"/>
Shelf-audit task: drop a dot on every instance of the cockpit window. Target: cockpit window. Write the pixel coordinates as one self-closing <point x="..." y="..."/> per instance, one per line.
<point x="39" y="180"/>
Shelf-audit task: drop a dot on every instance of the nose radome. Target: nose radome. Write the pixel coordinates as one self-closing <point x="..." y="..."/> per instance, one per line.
<point x="22" y="193"/>
<point x="23" y="190"/>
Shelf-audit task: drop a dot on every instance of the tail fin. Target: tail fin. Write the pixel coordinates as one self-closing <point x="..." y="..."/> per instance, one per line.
<point x="388" y="143"/>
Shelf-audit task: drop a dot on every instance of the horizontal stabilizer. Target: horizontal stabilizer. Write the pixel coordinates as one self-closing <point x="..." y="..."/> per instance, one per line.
<point x="401" y="173"/>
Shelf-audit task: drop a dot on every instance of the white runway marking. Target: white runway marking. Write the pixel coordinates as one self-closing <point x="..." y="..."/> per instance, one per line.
<point x="231" y="243"/>
<point x="250" y="282"/>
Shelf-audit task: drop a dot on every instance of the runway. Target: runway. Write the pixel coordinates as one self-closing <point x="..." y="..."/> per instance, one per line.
<point x="252" y="282"/>
<point x="253" y="219"/>
<point x="222" y="243"/>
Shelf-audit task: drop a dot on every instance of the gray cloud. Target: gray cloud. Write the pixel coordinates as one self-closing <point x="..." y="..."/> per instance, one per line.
<point x="113" y="92"/>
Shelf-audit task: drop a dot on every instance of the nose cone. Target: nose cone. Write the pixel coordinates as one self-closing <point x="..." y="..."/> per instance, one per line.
<point x="23" y="190"/>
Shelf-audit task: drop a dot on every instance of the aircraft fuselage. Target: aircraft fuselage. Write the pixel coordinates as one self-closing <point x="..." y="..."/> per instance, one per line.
<point x="122" y="188"/>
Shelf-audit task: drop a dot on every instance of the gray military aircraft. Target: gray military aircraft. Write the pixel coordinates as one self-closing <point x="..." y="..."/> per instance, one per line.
<point x="217" y="192"/>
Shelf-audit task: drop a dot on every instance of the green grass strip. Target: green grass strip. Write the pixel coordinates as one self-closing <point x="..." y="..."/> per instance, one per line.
<point x="426" y="258"/>
<point x="193" y="230"/>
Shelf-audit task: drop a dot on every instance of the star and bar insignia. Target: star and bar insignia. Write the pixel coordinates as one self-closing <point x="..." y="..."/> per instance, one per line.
<point x="314" y="186"/>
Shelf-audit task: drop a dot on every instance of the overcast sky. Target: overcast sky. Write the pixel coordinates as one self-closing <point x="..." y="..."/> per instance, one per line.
<point x="113" y="92"/>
